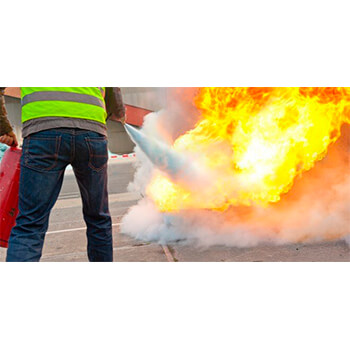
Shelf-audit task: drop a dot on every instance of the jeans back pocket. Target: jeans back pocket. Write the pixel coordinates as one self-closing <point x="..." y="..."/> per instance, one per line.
<point x="41" y="152"/>
<point x="98" y="152"/>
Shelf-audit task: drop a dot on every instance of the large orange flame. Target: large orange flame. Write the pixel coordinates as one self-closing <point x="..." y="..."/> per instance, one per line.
<point x="253" y="143"/>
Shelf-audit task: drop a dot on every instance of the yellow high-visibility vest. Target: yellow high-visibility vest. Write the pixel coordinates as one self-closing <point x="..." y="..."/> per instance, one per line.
<point x="72" y="102"/>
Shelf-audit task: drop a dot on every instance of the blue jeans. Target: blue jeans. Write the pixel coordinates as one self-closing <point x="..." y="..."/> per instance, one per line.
<point x="45" y="157"/>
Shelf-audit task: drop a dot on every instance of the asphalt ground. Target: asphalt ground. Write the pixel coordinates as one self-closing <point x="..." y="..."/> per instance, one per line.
<point x="66" y="239"/>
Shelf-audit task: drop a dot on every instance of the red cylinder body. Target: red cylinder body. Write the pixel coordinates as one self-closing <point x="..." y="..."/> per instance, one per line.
<point x="9" y="187"/>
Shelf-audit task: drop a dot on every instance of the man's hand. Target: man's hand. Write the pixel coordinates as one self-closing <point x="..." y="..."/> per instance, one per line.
<point x="119" y="118"/>
<point x="9" y="139"/>
<point x="123" y="118"/>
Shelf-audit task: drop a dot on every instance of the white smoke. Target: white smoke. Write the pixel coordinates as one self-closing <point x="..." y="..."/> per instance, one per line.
<point x="317" y="208"/>
<point x="166" y="125"/>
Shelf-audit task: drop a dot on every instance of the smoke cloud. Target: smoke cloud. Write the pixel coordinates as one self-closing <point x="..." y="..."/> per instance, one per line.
<point x="316" y="208"/>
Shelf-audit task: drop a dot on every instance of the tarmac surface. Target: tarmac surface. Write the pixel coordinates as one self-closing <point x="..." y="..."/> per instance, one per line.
<point x="66" y="239"/>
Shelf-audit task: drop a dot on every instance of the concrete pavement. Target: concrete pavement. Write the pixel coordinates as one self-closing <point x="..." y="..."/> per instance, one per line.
<point x="69" y="245"/>
<point x="66" y="240"/>
<point x="326" y="252"/>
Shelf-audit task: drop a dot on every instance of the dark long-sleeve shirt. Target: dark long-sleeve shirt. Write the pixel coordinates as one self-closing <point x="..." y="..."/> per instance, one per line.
<point x="5" y="126"/>
<point x="114" y="103"/>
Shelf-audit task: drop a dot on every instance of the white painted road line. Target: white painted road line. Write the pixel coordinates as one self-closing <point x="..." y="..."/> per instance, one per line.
<point x="74" y="229"/>
<point x="65" y="203"/>
<point x="167" y="253"/>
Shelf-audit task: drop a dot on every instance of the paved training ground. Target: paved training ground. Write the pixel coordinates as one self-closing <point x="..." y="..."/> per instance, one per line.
<point x="66" y="239"/>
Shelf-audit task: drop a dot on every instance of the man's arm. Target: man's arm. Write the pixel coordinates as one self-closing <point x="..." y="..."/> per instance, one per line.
<point x="5" y="126"/>
<point x="114" y="104"/>
<point x="7" y="135"/>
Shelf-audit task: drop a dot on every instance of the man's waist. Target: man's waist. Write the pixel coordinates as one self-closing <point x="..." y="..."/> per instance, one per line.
<point x="36" y="125"/>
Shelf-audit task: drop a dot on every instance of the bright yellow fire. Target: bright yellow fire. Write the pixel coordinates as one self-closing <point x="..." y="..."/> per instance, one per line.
<point x="253" y="142"/>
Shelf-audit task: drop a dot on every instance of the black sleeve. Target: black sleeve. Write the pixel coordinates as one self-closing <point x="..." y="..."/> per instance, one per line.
<point x="114" y="103"/>
<point x="5" y="126"/>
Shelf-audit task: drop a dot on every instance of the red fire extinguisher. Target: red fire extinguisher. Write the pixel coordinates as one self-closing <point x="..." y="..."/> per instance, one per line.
<point x="9" y="187"/>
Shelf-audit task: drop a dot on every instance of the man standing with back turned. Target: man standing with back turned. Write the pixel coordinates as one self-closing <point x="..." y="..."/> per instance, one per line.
<point x="62" y="126"/>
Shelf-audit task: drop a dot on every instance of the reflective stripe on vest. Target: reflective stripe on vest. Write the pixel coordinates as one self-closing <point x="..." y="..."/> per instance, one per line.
<point x="61" y="96"/>
<point x="84" y="103"/>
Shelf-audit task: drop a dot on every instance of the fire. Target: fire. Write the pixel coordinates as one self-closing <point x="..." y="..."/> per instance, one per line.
<point x="253" y="143"/>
